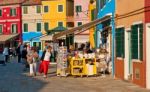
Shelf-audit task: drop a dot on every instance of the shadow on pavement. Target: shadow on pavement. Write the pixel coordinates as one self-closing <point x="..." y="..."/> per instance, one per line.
<point x="13" y="79"/>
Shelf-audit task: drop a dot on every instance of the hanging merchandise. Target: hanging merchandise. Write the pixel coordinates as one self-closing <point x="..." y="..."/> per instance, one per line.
<point x="62" y="64"/>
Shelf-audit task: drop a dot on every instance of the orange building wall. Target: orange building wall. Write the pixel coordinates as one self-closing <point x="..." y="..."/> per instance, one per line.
<point x="124" y="7"/>
<point x="119" y="69"/>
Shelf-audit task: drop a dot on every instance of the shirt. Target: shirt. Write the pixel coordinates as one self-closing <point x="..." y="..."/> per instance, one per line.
<point x="47" y="56"/>
<point x="5" y="52"/>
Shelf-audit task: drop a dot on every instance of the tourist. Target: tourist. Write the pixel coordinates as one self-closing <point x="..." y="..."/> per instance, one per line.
<point x="45" y="60"/>
<point x="32" y="58"/>
<point x="6" y="54"/>
<point x="24" y="58"/>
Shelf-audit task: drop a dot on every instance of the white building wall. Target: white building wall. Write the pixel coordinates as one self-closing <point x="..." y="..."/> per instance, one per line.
<point x="147" y="56"/>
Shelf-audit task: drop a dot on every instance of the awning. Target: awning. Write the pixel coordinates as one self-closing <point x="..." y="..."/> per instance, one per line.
<point x="4" y="38"/>
<point x="47" y="38"/>
<point x="81" y="28"/>
<point x="77" y="38"/>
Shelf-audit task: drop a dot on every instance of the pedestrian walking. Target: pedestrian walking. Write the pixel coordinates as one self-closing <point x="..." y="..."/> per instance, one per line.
<point x="33" y="58"/>
<point x="18" y="50"/>
<point x="24" y="58"/>
<point x="6" y="54"/>
<point x="45" y="60"/>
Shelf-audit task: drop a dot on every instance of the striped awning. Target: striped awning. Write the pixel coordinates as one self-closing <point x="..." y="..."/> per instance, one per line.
<point x="4" y="38"/>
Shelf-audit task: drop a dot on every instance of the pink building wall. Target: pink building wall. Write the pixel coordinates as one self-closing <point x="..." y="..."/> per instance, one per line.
<point x="82" y="16"/>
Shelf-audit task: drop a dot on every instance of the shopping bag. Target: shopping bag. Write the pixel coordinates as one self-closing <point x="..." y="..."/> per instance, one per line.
<point x="41" y="68"/>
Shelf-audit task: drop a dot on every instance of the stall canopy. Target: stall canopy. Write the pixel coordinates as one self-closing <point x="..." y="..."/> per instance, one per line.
<point x="4" y="38"/>
<point x="49" y="35"/>
<point x="81" y="28"/>
<point x="77" y="38"/>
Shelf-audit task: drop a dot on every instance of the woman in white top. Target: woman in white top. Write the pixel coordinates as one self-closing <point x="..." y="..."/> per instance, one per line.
<point x="45" y="61"/>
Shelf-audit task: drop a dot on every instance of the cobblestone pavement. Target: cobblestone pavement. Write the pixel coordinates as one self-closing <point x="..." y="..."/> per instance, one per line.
<point x="13" y="79"/>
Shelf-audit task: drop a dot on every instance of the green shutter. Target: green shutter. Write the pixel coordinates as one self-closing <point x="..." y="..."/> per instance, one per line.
<point x="38" y="9"/>
<point x="1" y="28"/>
<point x="60" y="24"/>
<point x="25" y="27"/>
<point x="134" y="42"/>
<point x="60" y="8"/>
<point x="45" y="8"/>
<point x="39" y="27"/>
<point x="11" y="12"/>
<point x="0" y="12"/>
<point x="92" y="14"/>
<point x="120" y="48"/>
<point x="141" y="41"/>
<point x="46" y="26"/>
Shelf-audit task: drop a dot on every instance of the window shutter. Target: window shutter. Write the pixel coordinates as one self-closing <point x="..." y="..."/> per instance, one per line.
<point x="46" y="26"/>
<point x="1" y="28"/>
<point x="120" y="48"/>
<point x="141" y="41"/>
<point x="38" y="27"/>
<point x="25" y="27"/>
<point x="134" y="42"/>
<point x="0" y="12"/>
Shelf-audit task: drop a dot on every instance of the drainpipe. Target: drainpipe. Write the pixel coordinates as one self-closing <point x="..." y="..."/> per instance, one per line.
<point x="113" y="45"/>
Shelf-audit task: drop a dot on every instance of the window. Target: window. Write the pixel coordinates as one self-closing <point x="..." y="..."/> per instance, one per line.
<point x="120" y="43"/>
<point x="0" y="12"/>
<point x="79" y="23"/>
<point x="137" y="41"/>
<point x="1" y="29"/>
<point x="38" y="25"/>
<point x="37" y="44"/>
<point x="79" y="8"/>
<point x="14" y="28"/>
<point x="46" y="26"/>
<point x="60" y="24"/>
<point x="12" y="12"/>
<point x="45" y="9"/>
<point x="25" y="10"/>
<point x="38" y="9"/>
<point x="60" y="8"/>
<point x="25" y="27"/>
<point x="102" y="3"/>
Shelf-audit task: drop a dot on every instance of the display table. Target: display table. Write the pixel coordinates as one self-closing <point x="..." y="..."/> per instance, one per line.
<point x="83" y="66"/>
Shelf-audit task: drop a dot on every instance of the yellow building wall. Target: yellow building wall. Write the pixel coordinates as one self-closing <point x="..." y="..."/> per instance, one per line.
<point x="53" y="16"/>
<point x="92" y="30"/>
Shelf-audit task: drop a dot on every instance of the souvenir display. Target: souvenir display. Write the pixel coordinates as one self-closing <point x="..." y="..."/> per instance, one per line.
<point x="62" y="65"/>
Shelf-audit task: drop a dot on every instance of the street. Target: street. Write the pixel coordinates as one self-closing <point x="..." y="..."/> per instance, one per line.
<point x="13" y="79"/>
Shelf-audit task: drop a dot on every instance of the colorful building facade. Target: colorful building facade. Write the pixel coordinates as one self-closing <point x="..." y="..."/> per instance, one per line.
<point x="57" y="13"/>
<point x="92" y="16"/>
<point x="32" y="23"/>
<point x="147" y="42"/>
<point x="130" y="58"/>
<point x="105" y="31"/>
<point x="81" y="16"/>
<point x="10" y="22"/>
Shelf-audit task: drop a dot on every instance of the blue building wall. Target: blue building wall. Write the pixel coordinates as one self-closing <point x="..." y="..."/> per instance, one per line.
<point x="108" y="9"/>
<point x="27" y="36"/>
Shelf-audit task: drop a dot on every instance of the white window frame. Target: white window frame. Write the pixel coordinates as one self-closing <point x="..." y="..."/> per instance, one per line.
<point x="37" y="9"/>
<point x="44" y="8"/>
<point x="59" y="22"/>
<point x="23" y="27"/>
<point x="37" y="29"/>
<point x="13" y="11"/>
<point x="23" y="10"/>
<point x="58" y="8"/>
<point x="12" y="26"/>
